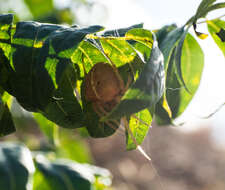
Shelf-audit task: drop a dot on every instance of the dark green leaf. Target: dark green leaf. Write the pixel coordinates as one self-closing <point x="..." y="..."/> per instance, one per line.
<point x="217" y="31"/>
<point x="221" y="34"/>
<point x="64" y="174"/>
<point x="168" y="42"/>
<point x="16" y="167"/>
<point x="163" y="32"/>
<point x="42" y="76"/>
<point x="70" y="175"/>
<point x="204" y="8"/>
<point x="64" y="108"/>
<point x="215" y="7"/>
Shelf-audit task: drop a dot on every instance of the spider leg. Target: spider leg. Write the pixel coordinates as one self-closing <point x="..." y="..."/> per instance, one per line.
<point x="100" y="111"/>
<point x="140" y="120"/>
<point x="126" y="125"/>
<point x="129" y="81"/>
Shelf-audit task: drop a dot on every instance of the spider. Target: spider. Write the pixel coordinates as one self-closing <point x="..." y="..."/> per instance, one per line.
<point x="104" y="87"/>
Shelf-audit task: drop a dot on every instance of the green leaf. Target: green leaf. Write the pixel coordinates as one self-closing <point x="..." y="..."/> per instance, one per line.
<point x="5" y="24"/>
<point x="147" y="89"/>
<point x="87" y="55"/>
<point x="40" y="182"/>
<point x="139" y="125"/>
<point x="95" y="127"/>
<point x="122" y="31"/>
<point x="25" y="47"/>
<point x="215" y="7"/>
<point x="64" y="174"/>
<point x="5" y="38"/>
<point x="4" y="71"/>
<point x="192" y="62"/>
<point x="178" y="55"/>
<point x="118" y="51"/>
<point x="6" y="122"/>
<point x="161" y="114"/>
<point x="205" y="4"/>
<point x="64" y="108"/>
<point x="217" y="31"/>
<point x="168" y="42"/>
<point x="142" y="42"/>
<point x="16" y="167"/>
<point x="40" y="7"/>
<point x="204" y="8"/>
<point x="42" y="76"/>
<point x="43" y="179"/>
<point x="163" y="32"/>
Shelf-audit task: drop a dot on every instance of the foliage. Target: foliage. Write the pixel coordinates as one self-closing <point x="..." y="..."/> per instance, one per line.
<point x="48" y="67"/>
<point x="42" y="65"/>
<point x="18" y="170"/>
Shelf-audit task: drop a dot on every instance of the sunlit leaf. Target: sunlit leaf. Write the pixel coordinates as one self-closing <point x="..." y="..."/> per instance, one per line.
<point x="40" y="182"/>
<point x="217" y="31"/>
<point x="139" y="125"/>
<point x="118" y="51"/>
<point x="148" y="88"/>
<point x="192" y="62"/>
<point x="87" y="55"/>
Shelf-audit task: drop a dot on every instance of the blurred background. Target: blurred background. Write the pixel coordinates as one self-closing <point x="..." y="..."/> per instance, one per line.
<point x="191" y="156"/>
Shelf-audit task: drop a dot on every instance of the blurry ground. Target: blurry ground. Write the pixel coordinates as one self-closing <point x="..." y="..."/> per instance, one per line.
<point x="183" y="161"/>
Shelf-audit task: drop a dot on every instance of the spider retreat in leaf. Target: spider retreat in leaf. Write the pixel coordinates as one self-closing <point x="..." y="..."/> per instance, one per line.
<point x="104" y="87"/>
